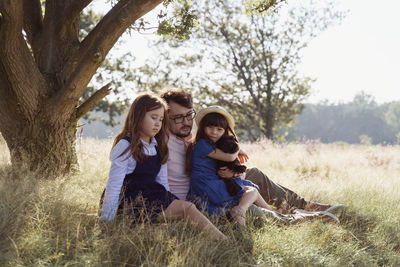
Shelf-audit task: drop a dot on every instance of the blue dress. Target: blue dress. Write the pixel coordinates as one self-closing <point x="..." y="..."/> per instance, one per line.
<point x="207" y="190"/>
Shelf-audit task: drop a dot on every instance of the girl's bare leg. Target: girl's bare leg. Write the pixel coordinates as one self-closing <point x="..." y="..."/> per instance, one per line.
<point x="187" y="210"/>
<point x="260" y="202"/>
<point x="249" y="197"/>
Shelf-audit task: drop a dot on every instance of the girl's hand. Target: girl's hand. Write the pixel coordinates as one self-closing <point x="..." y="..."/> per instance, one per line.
<point x="243" y="157"/>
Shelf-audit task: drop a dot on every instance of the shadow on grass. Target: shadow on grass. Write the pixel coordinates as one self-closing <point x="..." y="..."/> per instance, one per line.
<point x="45" y="223"/>
<point x="373" y="234"/>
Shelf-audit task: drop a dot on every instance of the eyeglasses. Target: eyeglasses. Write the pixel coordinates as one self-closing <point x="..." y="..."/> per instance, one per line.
<point x="180" y="118"/>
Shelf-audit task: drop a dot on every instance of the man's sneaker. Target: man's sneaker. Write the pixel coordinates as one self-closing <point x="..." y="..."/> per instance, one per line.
<point x="336" y="209"/>
<point x="314" y="206"/>
<point x="312" y="215"/>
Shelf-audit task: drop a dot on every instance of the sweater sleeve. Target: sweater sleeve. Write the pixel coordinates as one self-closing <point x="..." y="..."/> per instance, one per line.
<point x="162" y="176"/>
<point x="119" y="165"/>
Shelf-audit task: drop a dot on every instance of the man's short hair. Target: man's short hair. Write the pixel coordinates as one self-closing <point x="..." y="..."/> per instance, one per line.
<point x="177" y="95"/>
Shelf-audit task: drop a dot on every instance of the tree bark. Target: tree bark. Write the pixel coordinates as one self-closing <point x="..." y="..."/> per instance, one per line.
<point x="44" y="73"/>
<point x="43" y="150"/>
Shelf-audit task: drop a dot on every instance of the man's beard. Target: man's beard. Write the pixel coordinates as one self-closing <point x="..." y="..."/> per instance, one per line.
<point x="183" y="135"/>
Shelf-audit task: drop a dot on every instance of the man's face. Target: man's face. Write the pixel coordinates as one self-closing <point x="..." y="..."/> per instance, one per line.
<point x="180" y="119"/>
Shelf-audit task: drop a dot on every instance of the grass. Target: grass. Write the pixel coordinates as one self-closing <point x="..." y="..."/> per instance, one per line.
<point x="53" y="223"/>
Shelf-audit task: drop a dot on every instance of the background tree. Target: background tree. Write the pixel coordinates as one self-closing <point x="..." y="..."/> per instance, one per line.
<point x="352" y="122"/>
<point x="247" y="63"/>
<point x="392" y="116"/>
<point x="116" y="70"/>
<point x="45" y="69"/>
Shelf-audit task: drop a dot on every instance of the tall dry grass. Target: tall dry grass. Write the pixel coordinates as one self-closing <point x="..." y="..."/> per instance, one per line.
<point x="52" y="223"/>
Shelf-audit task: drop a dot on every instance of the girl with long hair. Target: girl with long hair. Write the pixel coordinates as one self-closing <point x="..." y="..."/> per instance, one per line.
<point x="138" y="182"/>
<point x="207" y="190"/>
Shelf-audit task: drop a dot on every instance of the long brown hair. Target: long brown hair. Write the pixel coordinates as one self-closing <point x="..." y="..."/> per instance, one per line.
<point x="211" y="119"/>
<point x="143" y="103"/>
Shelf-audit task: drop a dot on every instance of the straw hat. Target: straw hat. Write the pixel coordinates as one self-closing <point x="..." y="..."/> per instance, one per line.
<point x="216" y="109"/>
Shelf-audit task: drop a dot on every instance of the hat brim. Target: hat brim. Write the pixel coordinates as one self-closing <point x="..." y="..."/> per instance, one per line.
<point x="215" y="109"/>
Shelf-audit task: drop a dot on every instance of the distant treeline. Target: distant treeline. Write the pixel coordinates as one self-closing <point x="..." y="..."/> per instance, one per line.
<point x="359" y="121"/>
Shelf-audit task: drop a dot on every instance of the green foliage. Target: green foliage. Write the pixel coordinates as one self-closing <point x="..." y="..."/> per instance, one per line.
<point x="184" y="14"/>
<point x="392" y="115"/>
<point x="260" y="6"/>
<point x="365" y="140"/>
<point x="119" y="72"/>
<point x="246" y="63"/>
<point x="176" y="21"/>
<point x="88" y="20"/>
<point x="115" y="70"/>
<point x="180" y="24"/>
<point x="348" y="122"/>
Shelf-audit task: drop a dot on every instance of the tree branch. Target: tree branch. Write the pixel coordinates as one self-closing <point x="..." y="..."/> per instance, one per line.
<point x="247" y="80"/>
<point x="241" y="66"/>
<point x="17" y="61"/>
<point x="73" y="10"/>
<point x="94" y="48"/>
<point x="33" y="19"/>
<point x="12" y="15"/>
<point x="9" y="113"/>
<point x="92" y="101"/>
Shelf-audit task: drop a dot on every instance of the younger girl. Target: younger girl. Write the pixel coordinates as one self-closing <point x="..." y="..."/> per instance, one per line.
<point x="206" y="189"/>
<point x="138" y="182"/>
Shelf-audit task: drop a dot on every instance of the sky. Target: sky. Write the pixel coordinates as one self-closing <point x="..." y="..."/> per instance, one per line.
<point x="360" y="54"/>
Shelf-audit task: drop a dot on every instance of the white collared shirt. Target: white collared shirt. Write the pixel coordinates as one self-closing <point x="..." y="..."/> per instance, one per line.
<point x="120" y="167"/>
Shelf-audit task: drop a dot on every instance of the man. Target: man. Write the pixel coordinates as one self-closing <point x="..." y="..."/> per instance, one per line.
<point x="180" y="123"/>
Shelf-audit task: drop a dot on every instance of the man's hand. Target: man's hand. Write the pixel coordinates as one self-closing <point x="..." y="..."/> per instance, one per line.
<point x="243" y="157"/>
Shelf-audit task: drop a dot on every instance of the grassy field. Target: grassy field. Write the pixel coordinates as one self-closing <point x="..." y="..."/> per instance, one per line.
<point x="51" y="223"/>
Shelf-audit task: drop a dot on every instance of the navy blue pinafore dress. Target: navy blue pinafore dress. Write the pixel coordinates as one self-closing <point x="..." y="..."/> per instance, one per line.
<point x="141" y="196"/>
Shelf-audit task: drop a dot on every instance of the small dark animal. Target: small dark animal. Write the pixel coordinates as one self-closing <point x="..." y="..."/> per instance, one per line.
<point x="230" y="145"/>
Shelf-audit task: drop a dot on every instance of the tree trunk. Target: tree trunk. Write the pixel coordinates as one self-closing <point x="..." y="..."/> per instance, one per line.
<point x="269" y="133"/>
<point x="44" y="73"/>
<point x="43" y="149"/>
<point x="269" y="123"/>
